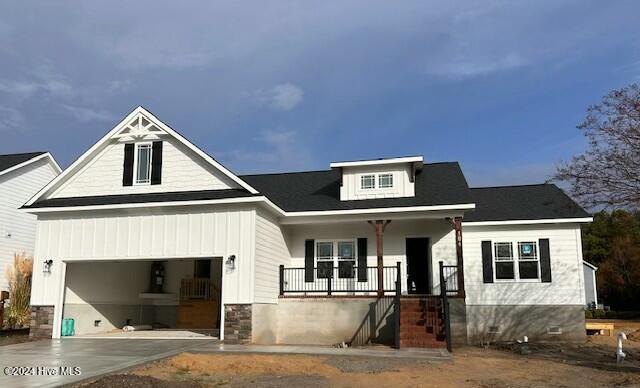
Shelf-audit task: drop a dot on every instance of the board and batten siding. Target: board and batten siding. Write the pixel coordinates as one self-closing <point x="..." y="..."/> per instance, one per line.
<point x="164" y="233"/>
<point x="402" y="185"/>
<point x="17" y="228"/>
<point x="271" y="252"/>
<point x="182" y="170"/>
<point x="567" y="283"/>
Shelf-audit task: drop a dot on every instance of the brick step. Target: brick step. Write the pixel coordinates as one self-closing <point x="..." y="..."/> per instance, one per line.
<point x="412" y="308"/>
<point x="412" y="314"/>
<point x="418" y="333"/>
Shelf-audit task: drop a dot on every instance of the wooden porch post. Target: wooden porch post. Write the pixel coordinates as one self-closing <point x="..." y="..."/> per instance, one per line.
<point x="457" y="226"/>
<point x="380" y="226"/>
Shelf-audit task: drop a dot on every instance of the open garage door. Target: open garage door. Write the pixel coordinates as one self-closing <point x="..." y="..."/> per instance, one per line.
<point x="177" y="297"/>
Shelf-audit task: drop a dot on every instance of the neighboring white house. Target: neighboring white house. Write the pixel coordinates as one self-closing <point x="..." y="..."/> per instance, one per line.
<point x="147" y="228"/>
<point x="590" y="285"/>
<point x="21" y="176"/>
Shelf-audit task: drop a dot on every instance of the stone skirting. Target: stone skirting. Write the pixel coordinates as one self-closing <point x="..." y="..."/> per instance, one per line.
<point x="237" y="323"/>
<point x="41" y="322"/>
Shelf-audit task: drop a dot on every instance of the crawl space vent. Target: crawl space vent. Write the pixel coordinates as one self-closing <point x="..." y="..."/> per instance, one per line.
<point x="554" y="330"/>
<point x="494" y="329"/>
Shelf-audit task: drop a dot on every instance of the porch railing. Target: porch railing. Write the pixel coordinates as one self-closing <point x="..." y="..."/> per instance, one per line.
<point x="336" y="280"/>
<point x="197" y="288"/>
<point x="450" y="275"/>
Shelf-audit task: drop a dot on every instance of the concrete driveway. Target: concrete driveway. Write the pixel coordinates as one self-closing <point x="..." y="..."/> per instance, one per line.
<point x="94" y="357"/>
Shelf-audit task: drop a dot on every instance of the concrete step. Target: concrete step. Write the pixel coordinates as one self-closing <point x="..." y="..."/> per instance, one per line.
<point x="422" y="343"/>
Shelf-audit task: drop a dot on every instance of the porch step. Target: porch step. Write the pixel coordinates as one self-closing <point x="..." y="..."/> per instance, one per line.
<point x="421" y="322"/>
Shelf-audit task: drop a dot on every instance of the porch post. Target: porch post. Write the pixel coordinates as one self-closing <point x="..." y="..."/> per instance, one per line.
<point x="380" y="226"/>
<point x="457" y="226"/>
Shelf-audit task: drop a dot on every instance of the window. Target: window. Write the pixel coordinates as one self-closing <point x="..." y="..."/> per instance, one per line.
<point x="368" y="182"/>
<point x="324" y="255"/>
<point x="528" y="260"/>
<point x="346" y="259"/>
<point x="503" y="256"/>
<point x="341" y="254"/>
<point x="143" y="163"/>
<point x="385" y="181"/>
<point x="525" y="267"/>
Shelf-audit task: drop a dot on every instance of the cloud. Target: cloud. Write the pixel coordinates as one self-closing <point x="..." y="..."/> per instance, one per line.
<point x="274" y="150"/>
<point x="83" y="114"/>
<point x="476" y="67"/>
<point x="282" y="97"/>
<point x="11" y="119"/>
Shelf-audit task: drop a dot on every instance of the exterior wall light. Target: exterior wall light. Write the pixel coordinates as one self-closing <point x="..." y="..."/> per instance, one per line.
<point x="46" y="268"/>
<point x="231" y="263"/>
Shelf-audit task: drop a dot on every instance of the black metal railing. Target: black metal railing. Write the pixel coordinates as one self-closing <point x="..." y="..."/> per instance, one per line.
<point x="336" y="280"/>
<point x="444" y="289"/>
<point x="450" y="275"/>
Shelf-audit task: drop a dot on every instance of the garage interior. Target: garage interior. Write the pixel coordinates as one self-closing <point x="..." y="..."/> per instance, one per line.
<point x="176" y="297"/>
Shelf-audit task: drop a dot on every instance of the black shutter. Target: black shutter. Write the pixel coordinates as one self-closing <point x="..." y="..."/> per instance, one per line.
<point x="308" y="260"/>
<point x="156" y="163"/>
<point x="127" y="166"/>
<point x="362" y="259"/>
<point x="545" y="260"/>
<point x="487" y="262"/>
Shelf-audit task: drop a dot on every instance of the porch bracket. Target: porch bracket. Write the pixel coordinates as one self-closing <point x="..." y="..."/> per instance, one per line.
<point x="380" y="226"/>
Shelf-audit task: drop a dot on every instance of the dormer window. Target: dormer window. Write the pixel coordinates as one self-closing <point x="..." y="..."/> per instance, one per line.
<point x="385" y="181"/>
<point x="143" y="164"/>
<point x="368" y="182"/>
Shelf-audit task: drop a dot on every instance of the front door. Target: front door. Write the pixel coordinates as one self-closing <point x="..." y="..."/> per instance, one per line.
<point x="418" y="266"/>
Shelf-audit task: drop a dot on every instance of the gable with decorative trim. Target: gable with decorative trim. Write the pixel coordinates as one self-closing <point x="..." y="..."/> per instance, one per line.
<point x="141" y="155"/>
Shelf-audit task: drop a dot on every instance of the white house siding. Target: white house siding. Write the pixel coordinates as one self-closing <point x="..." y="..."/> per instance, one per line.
<point x="271" y="252"/>
<point x="590" y="288"/>
<point x="18" y="229"/>
<point x="566" y="266"/>
<point x="165" y="233"/>
<point x="507" y="310"/>
<point x="182" y="170"/>
<point x="402" y="185"/>
<point x="439" y="231"/>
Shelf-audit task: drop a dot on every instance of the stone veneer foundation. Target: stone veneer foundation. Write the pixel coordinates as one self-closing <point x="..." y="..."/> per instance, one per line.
<point x="237" y="323"/>
<point x="41" y="322"/>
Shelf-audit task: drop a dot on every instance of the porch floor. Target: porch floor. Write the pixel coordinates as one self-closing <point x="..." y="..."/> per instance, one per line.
<point x="153" y="334"/>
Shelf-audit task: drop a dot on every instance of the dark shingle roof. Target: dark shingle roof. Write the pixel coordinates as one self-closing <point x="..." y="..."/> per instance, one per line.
<point x="436" y="184"/>
<point x="142" y="198"/>
<point x="530" y="202"/>
<point x="10" y="160"/>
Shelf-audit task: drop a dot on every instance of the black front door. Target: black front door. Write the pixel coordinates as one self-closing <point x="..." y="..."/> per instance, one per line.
<point x="418" y="266"/>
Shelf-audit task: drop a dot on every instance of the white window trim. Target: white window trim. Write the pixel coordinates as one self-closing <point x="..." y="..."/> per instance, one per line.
<point x="376" y="181"/>
<point x="335" y="259"/>
<point x="385" y="174"/>
<point x="362" y="177"/>
<point x="135" y="163"/>
<point x="516" y="260"/>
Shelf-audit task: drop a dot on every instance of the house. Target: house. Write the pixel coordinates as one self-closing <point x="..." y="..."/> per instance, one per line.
<point x="590" y="285"/>
<point x="21" y="176"/>
<point x="146" y="228"/>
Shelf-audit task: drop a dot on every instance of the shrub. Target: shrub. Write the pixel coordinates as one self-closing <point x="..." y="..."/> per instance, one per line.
<point x="601" y="314"/>
<point x="18" y="312"/>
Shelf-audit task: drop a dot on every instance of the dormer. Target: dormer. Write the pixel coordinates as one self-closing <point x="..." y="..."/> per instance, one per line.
<point x="378" y="178"/>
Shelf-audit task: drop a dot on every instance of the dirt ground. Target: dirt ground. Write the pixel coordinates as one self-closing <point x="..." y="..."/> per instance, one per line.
<point x="591" y="364"/>
<point x="15" y="339"/>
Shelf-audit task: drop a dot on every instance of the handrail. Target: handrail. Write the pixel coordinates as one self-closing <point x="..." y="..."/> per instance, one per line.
<point x="445" y="306"/>
<point x="197" y="288"/>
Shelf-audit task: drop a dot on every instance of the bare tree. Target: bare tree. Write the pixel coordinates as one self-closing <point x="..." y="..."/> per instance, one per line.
<point x="607" y="174"/>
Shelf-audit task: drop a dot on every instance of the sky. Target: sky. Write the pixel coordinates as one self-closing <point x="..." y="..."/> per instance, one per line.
<point x="271" y="86"/>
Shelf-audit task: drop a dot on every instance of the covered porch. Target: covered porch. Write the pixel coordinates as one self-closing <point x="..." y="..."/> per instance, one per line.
<point x="374" y="257"/>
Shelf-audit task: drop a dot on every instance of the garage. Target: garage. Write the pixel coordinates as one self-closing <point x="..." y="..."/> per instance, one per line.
<point x="175" y="298"/>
